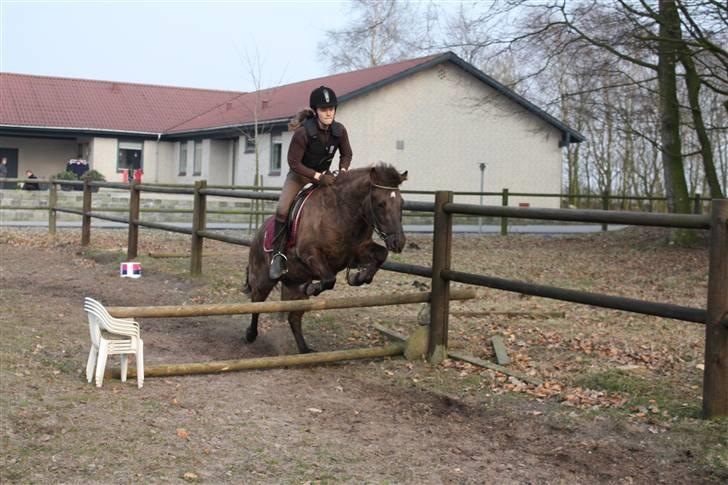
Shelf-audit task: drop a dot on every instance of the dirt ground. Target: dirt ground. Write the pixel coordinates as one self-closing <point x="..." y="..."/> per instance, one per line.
<point x="620" y="401"/>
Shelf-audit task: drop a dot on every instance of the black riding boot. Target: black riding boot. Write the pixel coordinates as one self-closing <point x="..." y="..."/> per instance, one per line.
<point x="278" y="262"/>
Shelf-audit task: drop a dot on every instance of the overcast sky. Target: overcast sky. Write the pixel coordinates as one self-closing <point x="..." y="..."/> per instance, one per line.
<point x="177" y="43"/>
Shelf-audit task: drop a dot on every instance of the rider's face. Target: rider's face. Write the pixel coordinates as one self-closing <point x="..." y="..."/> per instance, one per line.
<point x="326" y="115"/>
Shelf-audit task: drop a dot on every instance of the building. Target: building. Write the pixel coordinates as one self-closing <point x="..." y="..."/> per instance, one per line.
<point x="438" y="117"/>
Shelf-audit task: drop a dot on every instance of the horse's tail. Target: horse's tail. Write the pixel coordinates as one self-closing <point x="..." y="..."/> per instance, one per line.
<point x="246" y="282"/>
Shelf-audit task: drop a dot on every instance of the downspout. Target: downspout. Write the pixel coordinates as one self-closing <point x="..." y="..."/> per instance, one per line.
<point x="156" y="166"/>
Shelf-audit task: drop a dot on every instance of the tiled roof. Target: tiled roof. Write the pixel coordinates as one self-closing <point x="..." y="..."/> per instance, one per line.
<point x="53" y="102"/>
<point x="282" y="102"/>
<point x="42" y="101"/>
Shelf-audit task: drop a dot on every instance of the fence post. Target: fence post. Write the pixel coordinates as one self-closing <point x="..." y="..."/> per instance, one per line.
<point x="698" y="204"/>
<point x="132" y="246"/>
<point x="715" y="375"/>
<point x="605" y="206"/>
<point x="198" y="224"/>
<point x="440" y="301"/>
<point x="504" y="220"/>
<point x="52" y="203"/>
<point x="86" y="219"/>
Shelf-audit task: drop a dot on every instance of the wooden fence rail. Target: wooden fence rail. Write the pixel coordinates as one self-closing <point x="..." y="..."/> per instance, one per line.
<point x="715" y="316"/>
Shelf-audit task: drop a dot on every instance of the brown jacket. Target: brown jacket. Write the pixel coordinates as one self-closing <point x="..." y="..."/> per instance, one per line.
<point x="298" y="147"/>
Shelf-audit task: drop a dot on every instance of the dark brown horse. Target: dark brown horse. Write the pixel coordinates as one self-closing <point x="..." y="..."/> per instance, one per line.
<point x="335" y="232"/>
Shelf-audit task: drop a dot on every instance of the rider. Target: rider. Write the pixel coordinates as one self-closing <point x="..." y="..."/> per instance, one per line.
<point x="315" y="140"/>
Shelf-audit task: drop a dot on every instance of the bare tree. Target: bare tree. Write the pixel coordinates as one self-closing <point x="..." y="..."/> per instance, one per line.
<point x="381" y="31"/>
<point x="261" y="98"/>
<point x="597" y="41"/>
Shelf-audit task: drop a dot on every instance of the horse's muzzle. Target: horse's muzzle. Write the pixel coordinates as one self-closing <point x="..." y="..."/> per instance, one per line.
<point x="395" y="242"/>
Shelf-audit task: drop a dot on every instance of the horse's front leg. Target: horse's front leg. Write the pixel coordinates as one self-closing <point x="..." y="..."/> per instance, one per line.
<point x="295" y="318"/>
<point x="373" y="256"/>
<point x="319" y="267"/>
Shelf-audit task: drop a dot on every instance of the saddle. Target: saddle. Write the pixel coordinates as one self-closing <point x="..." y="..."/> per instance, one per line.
<point x="294" y="216"/>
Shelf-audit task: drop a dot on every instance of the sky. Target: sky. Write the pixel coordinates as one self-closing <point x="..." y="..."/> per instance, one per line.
<point x="175" y="43"/>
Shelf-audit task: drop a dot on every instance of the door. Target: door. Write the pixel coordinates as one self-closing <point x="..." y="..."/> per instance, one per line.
<point x="11" y="155"/>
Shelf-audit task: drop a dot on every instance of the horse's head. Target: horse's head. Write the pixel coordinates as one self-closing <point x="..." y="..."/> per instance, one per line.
<point x="386" y="205"/>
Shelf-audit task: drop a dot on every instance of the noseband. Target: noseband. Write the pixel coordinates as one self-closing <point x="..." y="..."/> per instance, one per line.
<point x="374" y="221"/>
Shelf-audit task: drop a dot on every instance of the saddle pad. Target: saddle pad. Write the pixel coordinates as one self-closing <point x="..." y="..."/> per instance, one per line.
<point x="294" y="216"/>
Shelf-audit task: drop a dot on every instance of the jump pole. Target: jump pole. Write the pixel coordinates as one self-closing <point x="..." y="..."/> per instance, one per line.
<point x="266" y="362"/>
<point x="272" y="307"/>
<point x="282" y="306"/>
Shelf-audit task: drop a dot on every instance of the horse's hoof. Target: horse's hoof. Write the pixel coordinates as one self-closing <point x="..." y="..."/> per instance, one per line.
<point x="250" y="336"/>
<point x="308" y="350"/>
<point x="351" y="279"/>
<point x="312" y="290"/>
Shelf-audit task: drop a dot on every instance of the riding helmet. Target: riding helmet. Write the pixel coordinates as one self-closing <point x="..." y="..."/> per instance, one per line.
<point x="323" y="97"/>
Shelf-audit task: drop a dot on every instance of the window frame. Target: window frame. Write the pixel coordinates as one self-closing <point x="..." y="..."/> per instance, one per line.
<point x="182" y="171"/>
<point x="119" y="148"/>
<point x="197" y="162"/>
<point x="276" y="147"/>
<point x="249" y="143"/>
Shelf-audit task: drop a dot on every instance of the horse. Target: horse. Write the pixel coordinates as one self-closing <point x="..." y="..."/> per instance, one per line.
<point x="334" y="233"/>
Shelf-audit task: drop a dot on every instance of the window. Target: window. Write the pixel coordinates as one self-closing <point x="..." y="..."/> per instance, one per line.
<point x="249" y="144"/>
<point x="275" y="155"/>
<point x="130" y="156"/>
<point x="84" y="151"/>
<point x="197" y="162"/>
<point x="182" y="159"/>
<point x="400" y="144"/>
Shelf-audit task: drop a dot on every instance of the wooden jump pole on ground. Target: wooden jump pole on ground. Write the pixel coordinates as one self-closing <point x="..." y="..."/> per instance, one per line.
<point x="283" y="306"/>
<point x="266" y="362"/>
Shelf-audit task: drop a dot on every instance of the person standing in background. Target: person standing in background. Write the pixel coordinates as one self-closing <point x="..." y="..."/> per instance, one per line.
<point x="30" y="185"/>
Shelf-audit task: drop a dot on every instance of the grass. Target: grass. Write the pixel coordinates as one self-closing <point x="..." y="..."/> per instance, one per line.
<point x="641" y="392"/>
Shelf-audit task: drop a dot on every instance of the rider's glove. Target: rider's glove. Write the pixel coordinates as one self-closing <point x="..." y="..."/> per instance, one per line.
<point x="326" y="179"/>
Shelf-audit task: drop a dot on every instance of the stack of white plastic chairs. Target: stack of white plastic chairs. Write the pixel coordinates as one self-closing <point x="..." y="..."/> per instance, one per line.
<point x="123" y="339"/>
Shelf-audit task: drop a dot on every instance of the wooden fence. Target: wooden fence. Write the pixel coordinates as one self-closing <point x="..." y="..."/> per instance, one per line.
<point x="714" y="316"/>
<point x="506" y="196"/>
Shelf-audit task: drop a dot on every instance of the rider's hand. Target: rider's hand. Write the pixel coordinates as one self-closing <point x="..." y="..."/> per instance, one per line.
<point x="326" y="179"/>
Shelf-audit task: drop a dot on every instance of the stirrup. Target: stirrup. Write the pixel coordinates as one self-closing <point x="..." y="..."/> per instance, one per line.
<point x="278" y="267"/>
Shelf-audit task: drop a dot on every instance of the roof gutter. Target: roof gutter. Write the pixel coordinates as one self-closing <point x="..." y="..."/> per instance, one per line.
<point x="202" y="131"/>
<point x="75" y="130"/>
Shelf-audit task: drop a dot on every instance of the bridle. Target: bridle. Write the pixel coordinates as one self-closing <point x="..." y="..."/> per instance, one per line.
<point x="374" y="221"/>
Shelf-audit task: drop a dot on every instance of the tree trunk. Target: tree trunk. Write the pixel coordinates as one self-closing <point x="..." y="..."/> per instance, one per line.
<point x="672" y="162"/>
<point x="692" y="81"/>
<point x="572" y="160"/>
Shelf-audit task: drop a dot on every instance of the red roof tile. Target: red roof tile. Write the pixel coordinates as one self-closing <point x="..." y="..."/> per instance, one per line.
<point x="43" y="101"/>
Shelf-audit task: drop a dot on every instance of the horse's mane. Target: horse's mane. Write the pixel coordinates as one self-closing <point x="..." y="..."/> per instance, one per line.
<point x="384" y="174"/>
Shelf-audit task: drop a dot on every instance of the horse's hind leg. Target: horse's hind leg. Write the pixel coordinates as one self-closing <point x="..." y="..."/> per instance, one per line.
<point x="295" y="318"/>
<point x="256" y="294"/>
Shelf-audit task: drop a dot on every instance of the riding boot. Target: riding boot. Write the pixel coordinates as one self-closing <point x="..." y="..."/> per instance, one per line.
<point x="278" y="262"/>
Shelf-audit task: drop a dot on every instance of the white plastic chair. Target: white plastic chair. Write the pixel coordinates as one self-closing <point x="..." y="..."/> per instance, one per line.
<point x="101" y="347"/>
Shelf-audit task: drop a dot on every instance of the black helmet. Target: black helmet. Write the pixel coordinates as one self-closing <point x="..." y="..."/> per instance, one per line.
<point x="322" y="97"/>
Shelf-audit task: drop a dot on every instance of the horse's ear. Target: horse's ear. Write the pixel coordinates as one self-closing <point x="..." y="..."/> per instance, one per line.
<point x="403" y="176"/>
<point x="372" y="174"/>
